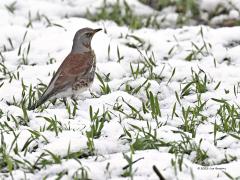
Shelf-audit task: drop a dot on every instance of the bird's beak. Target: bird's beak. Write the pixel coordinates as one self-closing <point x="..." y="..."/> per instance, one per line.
<point x="96" y="30"/>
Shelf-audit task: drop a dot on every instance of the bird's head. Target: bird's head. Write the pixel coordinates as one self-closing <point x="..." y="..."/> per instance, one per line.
<point x="82" y="39"/>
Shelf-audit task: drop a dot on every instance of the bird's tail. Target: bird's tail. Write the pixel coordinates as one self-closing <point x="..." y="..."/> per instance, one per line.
<point x="42" y="100"/>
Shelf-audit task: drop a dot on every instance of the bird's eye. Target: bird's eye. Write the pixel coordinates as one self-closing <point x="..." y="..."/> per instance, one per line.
<point x="88" y="34"/>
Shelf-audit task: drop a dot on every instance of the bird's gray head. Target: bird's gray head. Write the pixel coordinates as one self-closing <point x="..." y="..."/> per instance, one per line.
<point x="82" y="40"/>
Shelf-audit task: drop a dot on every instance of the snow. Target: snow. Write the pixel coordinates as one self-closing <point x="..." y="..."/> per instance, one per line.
<point x="50" y="41"/>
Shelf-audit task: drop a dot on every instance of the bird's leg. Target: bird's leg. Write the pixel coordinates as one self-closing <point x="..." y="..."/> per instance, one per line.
<point x="74" y="98"/>
<point x="65" y="101"/>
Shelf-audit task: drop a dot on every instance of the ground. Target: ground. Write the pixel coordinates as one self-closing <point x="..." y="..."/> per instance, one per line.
<point x="164" y="103"/>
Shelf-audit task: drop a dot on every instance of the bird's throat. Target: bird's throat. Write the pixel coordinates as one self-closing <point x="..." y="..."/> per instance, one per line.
<point x="81" y="48"/>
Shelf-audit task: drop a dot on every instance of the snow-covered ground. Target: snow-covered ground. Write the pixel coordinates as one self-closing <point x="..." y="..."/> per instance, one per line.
<point x="192" y="73"/>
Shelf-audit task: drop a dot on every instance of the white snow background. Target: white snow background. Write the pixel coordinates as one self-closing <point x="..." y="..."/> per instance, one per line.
<point x="45" y="144"/>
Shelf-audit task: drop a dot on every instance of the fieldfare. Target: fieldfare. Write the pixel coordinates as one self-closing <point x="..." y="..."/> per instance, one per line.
<point x="76" y="73"/>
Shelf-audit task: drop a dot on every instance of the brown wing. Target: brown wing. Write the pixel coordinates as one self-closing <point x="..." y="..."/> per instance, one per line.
<point x="74" y="65"/>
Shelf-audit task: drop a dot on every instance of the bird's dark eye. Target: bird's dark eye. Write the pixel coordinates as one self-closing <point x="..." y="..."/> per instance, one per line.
<point x="88" y="34"/>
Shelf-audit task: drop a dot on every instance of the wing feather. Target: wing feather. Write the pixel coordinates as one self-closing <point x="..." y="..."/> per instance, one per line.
<point x="73" y="67"/>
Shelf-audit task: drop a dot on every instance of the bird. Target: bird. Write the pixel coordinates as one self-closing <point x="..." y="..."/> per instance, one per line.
<point x="76" y="73"/>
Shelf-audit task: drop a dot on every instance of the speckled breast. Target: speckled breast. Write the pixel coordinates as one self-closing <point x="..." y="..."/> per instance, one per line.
<point x="82" y="83"/>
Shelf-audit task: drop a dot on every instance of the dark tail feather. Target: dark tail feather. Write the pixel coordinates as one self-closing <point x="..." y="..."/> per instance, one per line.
<point x="42" y="100"/>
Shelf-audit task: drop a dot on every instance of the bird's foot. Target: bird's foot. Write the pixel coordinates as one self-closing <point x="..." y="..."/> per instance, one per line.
<point x="75" y="99"/>
<point x="64" y="100"/>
